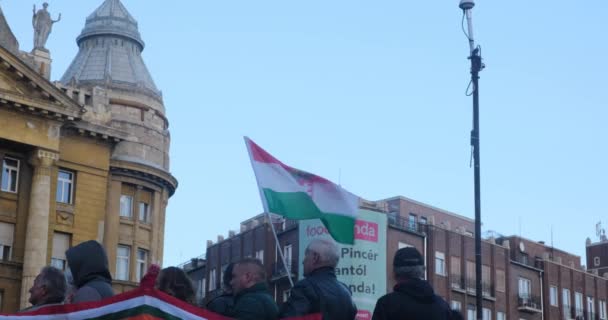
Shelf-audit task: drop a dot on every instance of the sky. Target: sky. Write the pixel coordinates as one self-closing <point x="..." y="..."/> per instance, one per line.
<point x="371" y="94"/>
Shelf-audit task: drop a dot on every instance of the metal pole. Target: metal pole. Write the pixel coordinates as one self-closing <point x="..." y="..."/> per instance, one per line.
<point x="476" y="66"/>
<point x="276" y="239"/>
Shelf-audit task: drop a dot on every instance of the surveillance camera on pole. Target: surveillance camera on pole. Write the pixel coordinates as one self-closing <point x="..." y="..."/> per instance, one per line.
<point x="467" y="6"/>
<point x="476" y="67"/>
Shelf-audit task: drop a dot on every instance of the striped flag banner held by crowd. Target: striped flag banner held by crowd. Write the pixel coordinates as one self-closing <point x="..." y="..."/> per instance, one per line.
<point x="138" y="304"/>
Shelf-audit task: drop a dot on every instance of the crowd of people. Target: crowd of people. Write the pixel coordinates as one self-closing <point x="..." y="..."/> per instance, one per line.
<point x="245" y="294"/>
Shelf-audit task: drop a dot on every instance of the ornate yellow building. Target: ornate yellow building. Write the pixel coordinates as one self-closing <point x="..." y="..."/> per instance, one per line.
<point x="83" y="158"/>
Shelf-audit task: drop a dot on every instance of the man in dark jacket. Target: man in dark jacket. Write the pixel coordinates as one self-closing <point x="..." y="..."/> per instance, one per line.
<point x="412" y="298"/>
<point x="320" y="291"/>
<point x="48" y="289"/>
<point x="89" y="267"/>
<point x="252" y="301"/>
<point x="224" y="303"/>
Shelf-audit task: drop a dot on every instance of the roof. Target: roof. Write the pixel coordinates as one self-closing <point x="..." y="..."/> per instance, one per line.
<point x="109" y="53"/>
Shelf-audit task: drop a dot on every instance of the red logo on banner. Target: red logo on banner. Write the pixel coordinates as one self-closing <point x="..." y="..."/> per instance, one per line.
<point x="365" y="230"/>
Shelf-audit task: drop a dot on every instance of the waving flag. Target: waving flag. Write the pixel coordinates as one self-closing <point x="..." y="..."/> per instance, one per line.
<point x="297" y="194"/>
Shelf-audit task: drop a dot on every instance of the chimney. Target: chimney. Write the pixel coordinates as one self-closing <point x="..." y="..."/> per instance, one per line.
<point x="209" y="243"/>
<point x="231" y="233"/>
<point x="220" y="238"/>
<point x="243" y="228"/>
<point x="506" y="244"/>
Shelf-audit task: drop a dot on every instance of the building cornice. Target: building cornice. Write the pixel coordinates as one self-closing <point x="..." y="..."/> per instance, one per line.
<point x="147" y="173"/>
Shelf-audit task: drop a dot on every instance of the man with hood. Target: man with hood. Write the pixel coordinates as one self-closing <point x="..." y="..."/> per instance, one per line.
<point x="88" y="264"/>
<point x="412" y="298"/>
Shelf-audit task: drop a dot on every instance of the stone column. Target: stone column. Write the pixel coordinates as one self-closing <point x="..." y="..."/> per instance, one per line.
<point x="37" y="232"/>
<point x="156" y="226"/>
<point x="112" y="222"/>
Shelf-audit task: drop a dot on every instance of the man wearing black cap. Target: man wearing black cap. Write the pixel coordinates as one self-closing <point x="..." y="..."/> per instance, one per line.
<point x="412" y="298"/>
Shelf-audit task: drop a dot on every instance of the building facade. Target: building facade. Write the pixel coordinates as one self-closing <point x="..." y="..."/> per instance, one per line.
<point x="521" y="279"/>
<point x="84" y="158"/>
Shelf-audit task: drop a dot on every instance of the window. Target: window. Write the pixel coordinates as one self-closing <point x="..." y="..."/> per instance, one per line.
<point x="126" y="206"/>
<point x="525" y="288"/>
<point x="7" y="231"/>
<point x="553" y="296"/>
<point x="590" y="308"/>
<point x="142" y="263"/>
<point x="412" y="221"/>
<point x="501" y="316"/>
<point x="404" y="245"/>
<point x="602" y="309"/>
<point x="222" y="271"/>
<point x="596" y="261"/>
<point x="486" y="314"/>
<point x="287" y="252"/>
<point x="455" y="268"/>
<point x="578" y="303"/>
<point x="144" y="212"/>
<point x="456" y="305"/>
<point x="61" y="243"/>
<point x="200" y="289"/>
<point x="10" y="175"/>
<point x="423" y="220"/>
<point x="566" y="302"/>
<point x="260" y="255"/>
<point x="286" y="294"/>
<point x="500" y="280"/>
<point x="65" y="187"/>
<point x="485" y="280"/>
<point x="470" y="270"/>
<point x="440" y="263"/>
<point x="122" y="263"/>
<point x="212" y="280"/>
<point x="471" y="315"/>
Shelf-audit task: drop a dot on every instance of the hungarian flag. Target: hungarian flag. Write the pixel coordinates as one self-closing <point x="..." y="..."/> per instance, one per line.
<point x="299" y="195"/>
<point x="138" y="304"/>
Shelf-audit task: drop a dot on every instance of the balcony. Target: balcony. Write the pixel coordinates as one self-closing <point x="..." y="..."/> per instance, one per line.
<point x="529" y="303"/>
<point x="406" y="224"/>
<point x="457" y="282"/>
<point x="487" y="289"/>
<point x="279" y="271"/>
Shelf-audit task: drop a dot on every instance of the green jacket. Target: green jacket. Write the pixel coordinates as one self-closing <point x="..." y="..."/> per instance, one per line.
<point x="255" y="303"/>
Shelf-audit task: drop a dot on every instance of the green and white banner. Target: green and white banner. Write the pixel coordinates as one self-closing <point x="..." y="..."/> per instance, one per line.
<point x="362" y="266"/>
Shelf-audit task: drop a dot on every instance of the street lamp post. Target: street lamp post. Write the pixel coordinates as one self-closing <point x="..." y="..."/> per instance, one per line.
<point x="476" y="67"/>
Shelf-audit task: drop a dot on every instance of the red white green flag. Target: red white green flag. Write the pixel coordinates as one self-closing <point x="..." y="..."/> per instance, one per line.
<point x="299" y="195"/>
<point x="138" y="304"/>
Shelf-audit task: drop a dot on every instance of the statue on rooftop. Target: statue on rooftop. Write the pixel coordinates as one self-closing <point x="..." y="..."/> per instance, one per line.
<point x="43" y="25"/>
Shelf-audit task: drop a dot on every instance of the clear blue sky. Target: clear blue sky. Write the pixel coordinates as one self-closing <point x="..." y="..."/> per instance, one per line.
<point x="374" y="90"/>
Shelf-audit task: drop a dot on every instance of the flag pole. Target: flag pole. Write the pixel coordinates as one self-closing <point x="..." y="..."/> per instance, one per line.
<point x="276" y="239"/>
<point x="274" y="232"/>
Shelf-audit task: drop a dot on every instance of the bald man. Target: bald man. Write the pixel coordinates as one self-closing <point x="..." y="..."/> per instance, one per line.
<point x="252" y="300"/>
<point x="320" y="291"/>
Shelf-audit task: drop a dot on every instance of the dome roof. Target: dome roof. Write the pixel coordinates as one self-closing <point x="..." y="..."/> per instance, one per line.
<point x="110" y="52"/>
<point x="111" y="18"/>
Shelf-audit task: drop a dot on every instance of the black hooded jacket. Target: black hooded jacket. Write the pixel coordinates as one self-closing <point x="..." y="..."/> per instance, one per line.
<point x="89" y="266"/>
<point x="320" y="292"/>
<point x="412" y="300"/>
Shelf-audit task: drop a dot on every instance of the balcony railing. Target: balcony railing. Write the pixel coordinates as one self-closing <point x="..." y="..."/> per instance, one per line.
<point x="529" y="303"/>
<point x="279" y="271"/>
<point x="487" y="289"/>
<point x="457" y="281"/>
<point x="406" y="224"/>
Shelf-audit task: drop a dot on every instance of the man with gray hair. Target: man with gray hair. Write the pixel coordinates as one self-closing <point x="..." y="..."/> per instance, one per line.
<point x="320" y="291"/>
<point x="412" y="298"/>
<point x="48" y="289"/>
